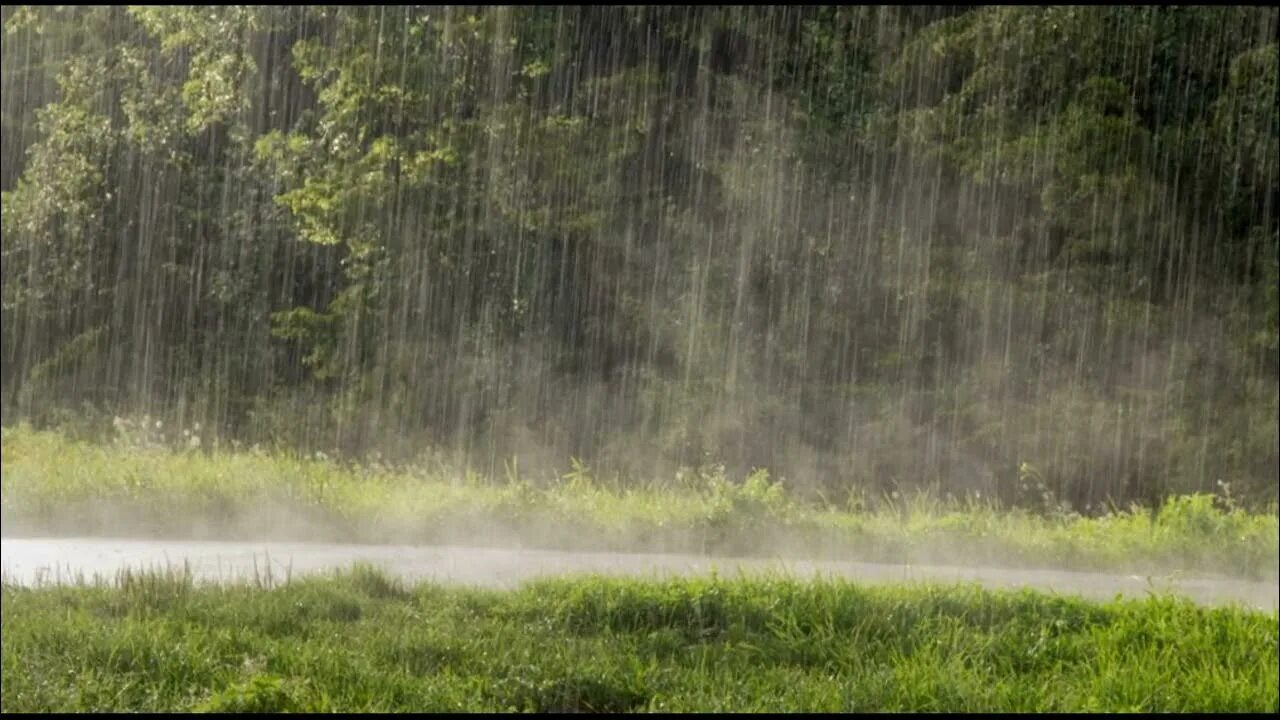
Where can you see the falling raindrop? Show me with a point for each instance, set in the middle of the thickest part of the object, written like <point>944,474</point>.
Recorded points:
<point>1023,252</point>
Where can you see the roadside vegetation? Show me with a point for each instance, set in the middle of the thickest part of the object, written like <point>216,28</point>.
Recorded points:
<point>360,641</point>
<point>52,484</point>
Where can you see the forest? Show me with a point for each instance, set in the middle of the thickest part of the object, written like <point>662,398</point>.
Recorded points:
<point>1021,252</point>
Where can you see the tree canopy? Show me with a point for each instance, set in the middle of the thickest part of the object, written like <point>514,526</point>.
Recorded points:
<point>866,247</point>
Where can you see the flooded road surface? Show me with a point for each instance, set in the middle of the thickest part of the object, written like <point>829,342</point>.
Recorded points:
<point>32,560</point>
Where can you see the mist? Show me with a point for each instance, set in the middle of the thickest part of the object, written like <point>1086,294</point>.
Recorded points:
<point>1014,252</point>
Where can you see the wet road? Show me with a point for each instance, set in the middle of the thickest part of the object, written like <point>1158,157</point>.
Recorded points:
<point>31,560</point>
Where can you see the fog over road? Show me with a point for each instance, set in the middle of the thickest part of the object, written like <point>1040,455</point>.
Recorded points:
<point>31,560</point>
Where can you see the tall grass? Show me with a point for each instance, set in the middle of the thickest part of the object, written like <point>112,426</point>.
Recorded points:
<point>53,484</point>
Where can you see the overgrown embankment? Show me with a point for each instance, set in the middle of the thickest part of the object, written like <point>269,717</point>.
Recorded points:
<point>55,485</point>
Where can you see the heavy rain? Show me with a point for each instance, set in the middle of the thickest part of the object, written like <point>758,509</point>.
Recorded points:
<point>870,288</point>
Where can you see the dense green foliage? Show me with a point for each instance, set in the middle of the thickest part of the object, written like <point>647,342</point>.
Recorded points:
<point>869,249</point>
<point>52,485</point>
<point>363,642</point>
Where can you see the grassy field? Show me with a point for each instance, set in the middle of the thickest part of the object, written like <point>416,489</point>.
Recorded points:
<point>53,484</point>
<point>359,641</point>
